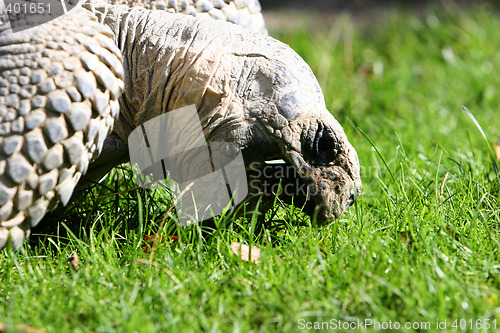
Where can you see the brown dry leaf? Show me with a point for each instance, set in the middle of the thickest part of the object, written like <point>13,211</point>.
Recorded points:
<point>452,233</point>
<point>74,261</point>
<point>406,237</point>
<point>243,251</point>
<point>20,329</point>
<point>150,242</point>
<point>441,190</point>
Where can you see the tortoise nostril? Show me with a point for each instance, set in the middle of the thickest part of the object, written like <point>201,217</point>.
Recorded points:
<point>322,146</point>
<point>351,201</point>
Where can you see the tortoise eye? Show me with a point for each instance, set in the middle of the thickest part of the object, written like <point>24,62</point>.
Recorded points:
<point>323,148</point>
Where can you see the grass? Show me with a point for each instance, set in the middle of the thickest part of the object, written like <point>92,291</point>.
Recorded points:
<point>421,245</point>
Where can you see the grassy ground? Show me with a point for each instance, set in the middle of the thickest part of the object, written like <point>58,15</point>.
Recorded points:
<point>421,245</point>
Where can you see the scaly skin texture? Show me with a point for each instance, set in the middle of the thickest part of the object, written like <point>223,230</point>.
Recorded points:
<point>248,89</point>
<point>59,89</point>
<point>246,13</point>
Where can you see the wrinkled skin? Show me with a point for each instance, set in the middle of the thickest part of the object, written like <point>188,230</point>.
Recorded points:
<point>248,89</point>
<point>314,143</point>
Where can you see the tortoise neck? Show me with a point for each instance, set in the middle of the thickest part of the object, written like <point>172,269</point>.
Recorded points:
<point>172,61</point>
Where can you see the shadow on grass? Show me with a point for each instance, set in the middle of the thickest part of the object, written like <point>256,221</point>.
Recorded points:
<point>115,204</point>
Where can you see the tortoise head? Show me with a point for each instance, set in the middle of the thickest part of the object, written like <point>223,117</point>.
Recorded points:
<point>291,122</point>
